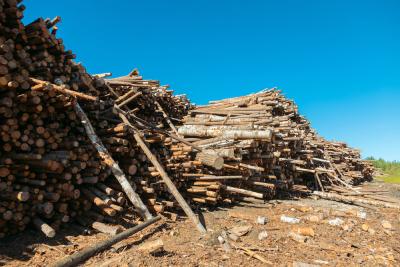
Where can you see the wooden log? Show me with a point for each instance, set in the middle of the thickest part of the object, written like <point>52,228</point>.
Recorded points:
<point>255,168</point>
<point>216,178</point>
<point>243,192</point>
<point>44,227</point>
<point>211,160</point>
<point>203,131</point>
<point>125,96</point>
<point>354,200</point>
<point>49,86</point>
<point>78,257</point>
<point>130,99</point>
<point>107,229</point>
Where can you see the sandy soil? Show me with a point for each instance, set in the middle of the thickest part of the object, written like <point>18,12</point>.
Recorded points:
<point>363,238</point>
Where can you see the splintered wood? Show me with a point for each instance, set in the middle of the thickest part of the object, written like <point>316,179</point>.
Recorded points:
<point>156,147</point>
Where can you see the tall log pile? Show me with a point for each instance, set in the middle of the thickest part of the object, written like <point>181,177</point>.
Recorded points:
<point>151,108</point>
<point>240,149</point>
<point>46,160</point>
<point>264,139</point>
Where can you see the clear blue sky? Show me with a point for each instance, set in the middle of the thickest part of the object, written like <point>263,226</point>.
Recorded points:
<point>339,60</point>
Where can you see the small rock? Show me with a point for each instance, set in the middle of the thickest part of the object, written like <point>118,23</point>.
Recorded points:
<point>261,220</point>
<point>210,238</point>
<point>315,218</point>
<point>297,237</point>
<point>152,247</point>
<point>356,213</point>
<point>321,262</point>
<point>365,227</point>
<point>371,231</point>
<point>346,227</point>
<point>233,237</point>
<point>303,264</point>
<point>240,214</point>
<point>288,219</point>
<point>225,257</point>
<point>387,225</point>
<point>224,242</point>
<point>361,214</point>
<point>305,231</point>
<point>341,213</point>
<point>336,222</point>
<point>304,209</point>
<point>173,233</point>
<point>262,235</point>
<point>240,230</point>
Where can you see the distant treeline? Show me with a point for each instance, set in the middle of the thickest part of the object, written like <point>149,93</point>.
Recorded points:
<point>386,166</point>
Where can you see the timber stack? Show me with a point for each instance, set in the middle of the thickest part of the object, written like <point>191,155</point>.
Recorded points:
<point>46,160</point>
<point>151,108</point>
<point>58,166</point>
<point>270,146</point>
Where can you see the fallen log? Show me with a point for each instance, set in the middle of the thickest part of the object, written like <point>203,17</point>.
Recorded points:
<point>354,200</point>
<point>76,258</point>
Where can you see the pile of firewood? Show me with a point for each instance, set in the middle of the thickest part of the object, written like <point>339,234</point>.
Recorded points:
<point>266,143</point>
<point>346,160</point>
<point>87,150</point>
<point>151,108</point>
<point>47,164</point>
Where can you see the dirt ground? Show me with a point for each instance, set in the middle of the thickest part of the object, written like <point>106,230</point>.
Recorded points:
<point>365,236</point>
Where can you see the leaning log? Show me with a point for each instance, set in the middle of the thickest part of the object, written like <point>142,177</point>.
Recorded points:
<point>108,160</point>
<point>168,182</point>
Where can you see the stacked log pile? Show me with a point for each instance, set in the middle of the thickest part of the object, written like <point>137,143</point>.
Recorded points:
<point>240,149</point>
<point>154,105</point>
<point>345,160</point>
<point>195,171</point>
<point>48,167</point>
<point>272,148</point>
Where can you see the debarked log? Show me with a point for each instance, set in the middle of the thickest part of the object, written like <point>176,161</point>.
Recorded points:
<point>226,132</point>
